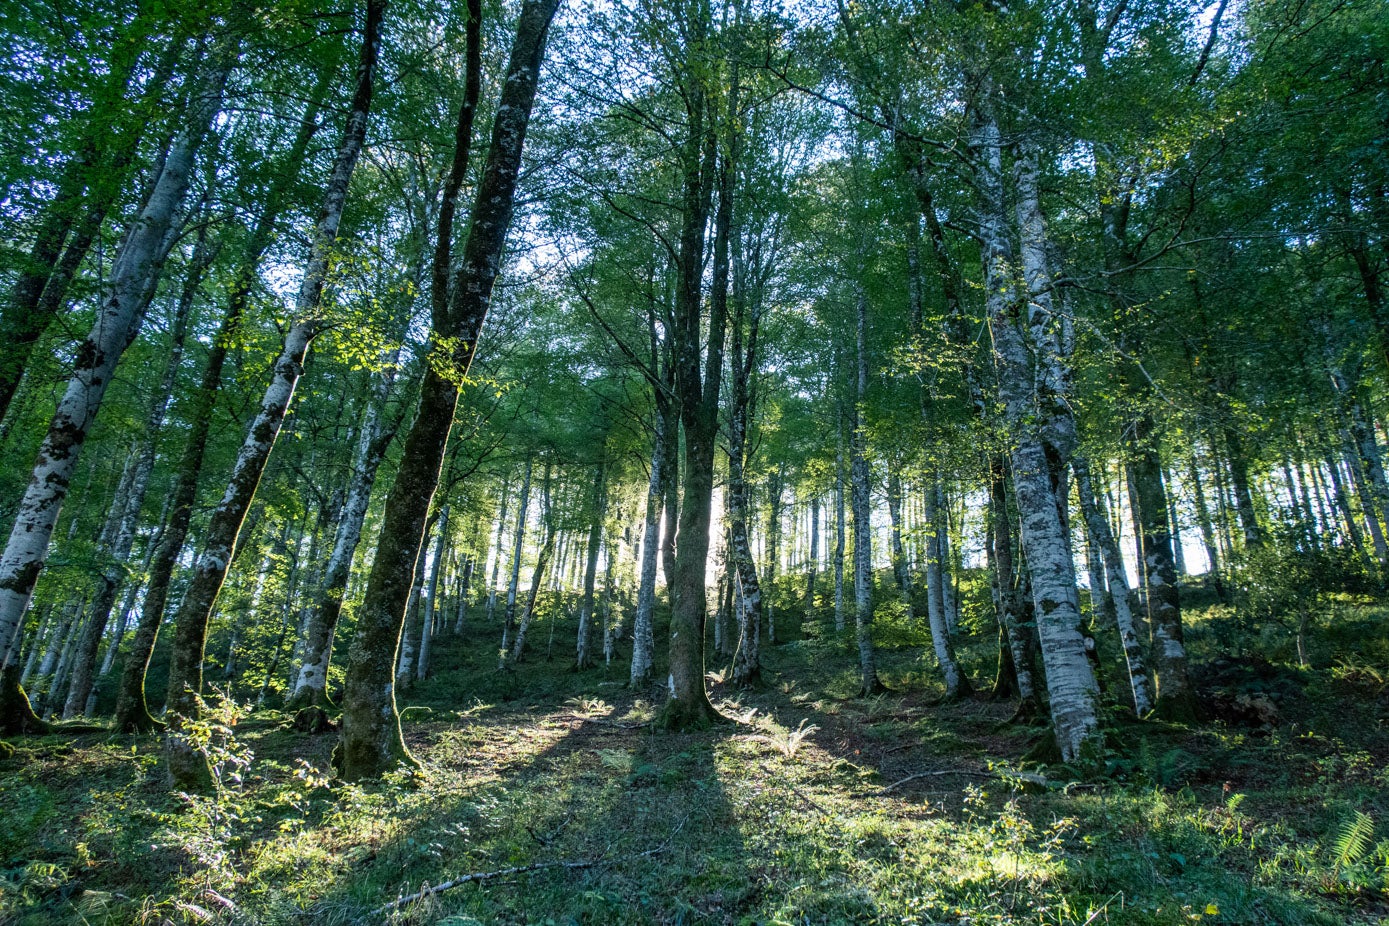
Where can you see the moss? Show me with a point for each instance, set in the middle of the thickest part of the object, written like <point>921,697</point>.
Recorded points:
<point>711,824</point>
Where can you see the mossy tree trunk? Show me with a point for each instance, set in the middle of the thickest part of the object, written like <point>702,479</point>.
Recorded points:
<point>371,742</point>
<point>186,767</point>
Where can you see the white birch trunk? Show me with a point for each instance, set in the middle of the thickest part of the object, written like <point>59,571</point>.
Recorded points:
<point>643,635</point>
<point>134,276</point>
<point>311,685</point>
<point>863,529</point>
<point>955,684</point>
<point>1121,597</point>
<point>497,554</point>
<point>839,528</point>
<point>582,657</point>
<point>518,547</point>
<point>1070,681</point>
<point>186,767</point>
<point>431,605</point>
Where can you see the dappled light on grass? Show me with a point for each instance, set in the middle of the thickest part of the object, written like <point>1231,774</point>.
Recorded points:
<point>808,807</point>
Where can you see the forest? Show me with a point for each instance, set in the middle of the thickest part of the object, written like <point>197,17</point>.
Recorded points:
<point>694,462</point>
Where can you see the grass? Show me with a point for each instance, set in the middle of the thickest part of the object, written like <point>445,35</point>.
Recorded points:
<point>798,814</point>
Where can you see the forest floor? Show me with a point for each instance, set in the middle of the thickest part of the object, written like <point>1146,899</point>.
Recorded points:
<point>811,807</point>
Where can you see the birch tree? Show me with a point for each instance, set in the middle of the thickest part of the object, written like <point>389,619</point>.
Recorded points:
<point>127,296</point>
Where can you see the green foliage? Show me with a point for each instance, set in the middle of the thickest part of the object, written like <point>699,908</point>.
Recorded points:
<point>1353,839</point>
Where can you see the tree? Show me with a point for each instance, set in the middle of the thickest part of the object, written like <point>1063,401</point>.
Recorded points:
<point>371,740</point>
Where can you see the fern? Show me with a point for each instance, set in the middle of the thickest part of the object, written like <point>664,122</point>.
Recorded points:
<point>1353,840</point>
<point>786,742</point>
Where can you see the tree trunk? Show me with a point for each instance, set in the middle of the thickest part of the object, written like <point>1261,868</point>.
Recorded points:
<point>956,683</point>
<point>44,628</point>
<point>1019,635</point>
<point>133,279</point>
<point>1174,698</point>
<point>373,439</point>
<point>371,742</point>
<point>518,548</point>
<point>187,768</point>
<point>583,659</point>
<point>643,636</point>
<point>775,487</point>
<point>291,586</point>
<point>606,603</point>
<point>497,553</point>
<point>900,572</point>
<point>1342,502</point>
<point>813,559</point>
<point>1120,596</point>
<point>950,599</point>
<point>547,549</point>
<point>698,373</point>
<point>132,712</point>
<point>747,590</point>
<point>1203,522</point>
<point>860,489</point>
<point>123,539</point>
<point>410,630</point>
<point>1070,681</point>
<point>1239,480</point>
<point>431,605</point>
<point>839,524</point>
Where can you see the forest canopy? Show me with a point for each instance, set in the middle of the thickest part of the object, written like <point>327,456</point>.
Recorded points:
<point>978,394</point>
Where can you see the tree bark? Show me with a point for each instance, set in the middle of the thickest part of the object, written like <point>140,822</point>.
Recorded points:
<point>186,767</point>
<point>900,573</point>
<point>1239,480</point>
<point>956,683</point>
<point>123,540</point>
<point>747,590</point>
<point>1031,419</point>
<point>410,630</point>
<point>132,712</point>
<point>859,488</point>
<point>813,558</point>
<point>699,359</point>
<point>133,279</point>
<point>1121,597</point>
<point>583,658</point>
<point>517,550</point>
<point>497,553</point>
<point>371,741</point>
<point>431,603</point>
<point>839,522</point>
<point>1019,635</point>
<point>1204,524</point>
<point>547,549</point>
<point>1174,697</point>
<point>373,440</point>
<point>643,636</point>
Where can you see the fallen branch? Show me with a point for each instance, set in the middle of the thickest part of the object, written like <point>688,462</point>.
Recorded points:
<point>604,722</point>
<point>1029,777</point>
<point>795,790</point>
<point>478,877</point>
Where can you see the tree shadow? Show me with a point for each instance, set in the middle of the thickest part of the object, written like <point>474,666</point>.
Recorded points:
<point>640,824</point>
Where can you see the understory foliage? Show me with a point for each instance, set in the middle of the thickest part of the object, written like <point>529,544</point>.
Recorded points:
<point>884,810</point>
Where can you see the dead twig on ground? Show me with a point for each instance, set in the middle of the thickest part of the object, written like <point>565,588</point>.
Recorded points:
<point>1029,777</point>
<point>478,877</point>
<point>796,791</point>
